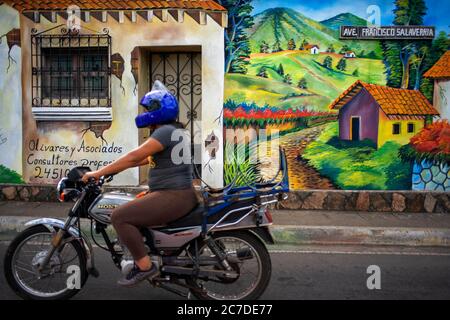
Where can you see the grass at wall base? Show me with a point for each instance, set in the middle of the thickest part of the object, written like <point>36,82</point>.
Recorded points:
<point>9,176</point>
<point>358,165</point>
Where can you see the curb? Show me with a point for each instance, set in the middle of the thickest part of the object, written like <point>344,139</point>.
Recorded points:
<point>388,236</point>
<point>301,235</point>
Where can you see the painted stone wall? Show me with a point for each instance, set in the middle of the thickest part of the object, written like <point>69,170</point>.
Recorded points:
<point>431,176</point>
<point>10,96</point>
<point>52,147</point>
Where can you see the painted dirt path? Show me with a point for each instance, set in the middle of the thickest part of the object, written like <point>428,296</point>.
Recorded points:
<point>301,175</point>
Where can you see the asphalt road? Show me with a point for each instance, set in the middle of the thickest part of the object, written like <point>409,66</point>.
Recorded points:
<point>308,273</point>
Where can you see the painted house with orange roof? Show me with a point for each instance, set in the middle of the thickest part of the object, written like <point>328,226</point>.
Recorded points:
<point>72,73</point>
<point>312,48</point>
<point>381,113</point>
<point>440,73</point>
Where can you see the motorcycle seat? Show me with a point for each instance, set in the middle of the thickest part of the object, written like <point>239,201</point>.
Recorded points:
<point>193,218</point>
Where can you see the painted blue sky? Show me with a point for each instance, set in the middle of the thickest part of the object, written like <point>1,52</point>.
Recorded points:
<point>437,13</point>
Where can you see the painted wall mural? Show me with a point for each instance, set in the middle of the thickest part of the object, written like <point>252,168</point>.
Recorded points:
<point>63,133</point>
<point>352,114</point>
<point>10,97</point>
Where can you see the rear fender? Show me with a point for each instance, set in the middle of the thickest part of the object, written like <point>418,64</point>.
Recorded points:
<point>263,233</point>
<point>52,224</point>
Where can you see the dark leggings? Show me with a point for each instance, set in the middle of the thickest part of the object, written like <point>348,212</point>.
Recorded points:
<point>156,208</point>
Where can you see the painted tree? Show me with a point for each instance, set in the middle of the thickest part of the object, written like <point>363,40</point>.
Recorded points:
<point>372,55</point>
<point>439,46</point>
<point>342,64</point>
<point>355,73</point>
<point>237,50</point>
<point>263,72</point>
<point>287,79</point>
<point>406,12</point>
<point>328,62</point>
<point>304,44</point>
<point>331,49</point>
<point>291,45</point>
<point>344,49</point>
<point>409,12</point>
<point>277,47</point>
<point>302,83</point>
<point>417,64</point>
<point>280,70</point>
<point>264,47</point>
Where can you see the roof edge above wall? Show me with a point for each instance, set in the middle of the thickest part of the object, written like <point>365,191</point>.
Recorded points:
<point>218,14</point>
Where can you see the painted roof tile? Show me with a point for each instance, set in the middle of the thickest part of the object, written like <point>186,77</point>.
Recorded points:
<point>392,101</point>
<point>27,5</point>
<point>441,69</point>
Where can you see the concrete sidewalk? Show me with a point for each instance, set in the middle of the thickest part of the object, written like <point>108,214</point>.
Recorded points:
<point>291,227</point>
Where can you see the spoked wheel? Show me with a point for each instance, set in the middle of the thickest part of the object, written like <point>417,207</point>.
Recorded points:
<point>247,256</point>
<point>27,252</point>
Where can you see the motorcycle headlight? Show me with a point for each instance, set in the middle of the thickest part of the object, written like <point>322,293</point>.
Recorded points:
<point>66,190</point>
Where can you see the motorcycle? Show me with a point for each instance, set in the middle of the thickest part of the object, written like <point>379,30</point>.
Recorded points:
<point>215,252</point>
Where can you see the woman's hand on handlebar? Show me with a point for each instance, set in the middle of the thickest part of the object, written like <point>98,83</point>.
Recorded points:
<point>91,175</point>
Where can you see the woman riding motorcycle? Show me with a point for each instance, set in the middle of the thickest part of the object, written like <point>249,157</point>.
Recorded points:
<point>171,194</point>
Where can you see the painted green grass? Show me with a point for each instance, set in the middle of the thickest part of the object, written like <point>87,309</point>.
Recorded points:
<point>9,176</point>
<point>358,165</point>
<point>261,91</point>
<point>324,85</point>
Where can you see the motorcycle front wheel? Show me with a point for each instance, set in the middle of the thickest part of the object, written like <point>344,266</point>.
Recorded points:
<point>251,261</point>
<point>63,276</point>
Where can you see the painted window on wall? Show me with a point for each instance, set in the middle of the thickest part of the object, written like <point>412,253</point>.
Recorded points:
<point>396,128</point>
<point>71,71</point>
<point>74,73</point>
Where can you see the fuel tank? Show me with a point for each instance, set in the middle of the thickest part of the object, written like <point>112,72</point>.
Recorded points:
<point>103,206</point>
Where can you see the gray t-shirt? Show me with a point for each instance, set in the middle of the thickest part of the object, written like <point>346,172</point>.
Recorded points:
<point>167,172</point>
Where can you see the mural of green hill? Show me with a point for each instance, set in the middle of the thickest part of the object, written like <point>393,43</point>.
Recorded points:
<point>343,19</point>
<point>283,24</point>
<point>323,85</point>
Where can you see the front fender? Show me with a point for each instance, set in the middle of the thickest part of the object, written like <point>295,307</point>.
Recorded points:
<point>51,224</point>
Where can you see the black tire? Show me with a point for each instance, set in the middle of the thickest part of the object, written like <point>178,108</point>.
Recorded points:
<point>8,270</point>
<point>260,248</point>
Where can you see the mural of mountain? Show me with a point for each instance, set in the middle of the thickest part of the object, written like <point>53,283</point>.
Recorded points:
<point>343,19</point>
<point>283,24</point>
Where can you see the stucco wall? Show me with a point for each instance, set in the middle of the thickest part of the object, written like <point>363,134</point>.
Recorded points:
<point>10,93</point>
<point>123,133</point>
<point>364,106</point>
<point>441,98</point>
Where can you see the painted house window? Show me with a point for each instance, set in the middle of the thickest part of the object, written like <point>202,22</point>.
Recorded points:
<point>71,76</point>
<point>74,74</point>
<point>411,128</point>
<point>396,128</point>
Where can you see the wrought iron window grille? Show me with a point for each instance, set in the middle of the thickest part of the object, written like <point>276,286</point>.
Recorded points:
<point>71,69</point>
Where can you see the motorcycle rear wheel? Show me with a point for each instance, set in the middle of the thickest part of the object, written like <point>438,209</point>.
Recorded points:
<point>256,246</point>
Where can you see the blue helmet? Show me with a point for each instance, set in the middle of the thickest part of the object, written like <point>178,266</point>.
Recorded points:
<point>161,106</point>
